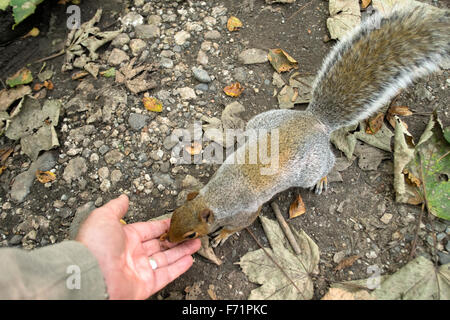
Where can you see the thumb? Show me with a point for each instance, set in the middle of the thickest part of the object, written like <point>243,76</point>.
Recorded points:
<point>116,208</point>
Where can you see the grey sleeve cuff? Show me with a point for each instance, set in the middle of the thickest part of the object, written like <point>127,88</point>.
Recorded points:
<point>67,270</point>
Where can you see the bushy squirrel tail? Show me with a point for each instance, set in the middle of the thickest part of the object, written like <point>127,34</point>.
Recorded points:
<point>380,57</point>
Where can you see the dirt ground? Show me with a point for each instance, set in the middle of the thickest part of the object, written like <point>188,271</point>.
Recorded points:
<point>345,219</point>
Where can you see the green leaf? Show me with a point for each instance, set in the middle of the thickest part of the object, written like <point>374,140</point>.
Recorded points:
<point>111,72</point>
<point>23,8</point>
<point>4,4</point>
<point>23,76</point>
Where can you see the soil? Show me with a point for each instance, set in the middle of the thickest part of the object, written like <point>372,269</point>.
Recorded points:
<point>345,218</point>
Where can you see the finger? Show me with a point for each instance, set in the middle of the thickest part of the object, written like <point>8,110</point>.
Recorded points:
<point>165,275</point>
<point>150,230</point>
<point>116,208</point>
<point>164,258</point>
<point>151,246</point>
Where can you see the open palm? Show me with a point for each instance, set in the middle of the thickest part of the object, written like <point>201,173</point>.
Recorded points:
<point>123,251</point>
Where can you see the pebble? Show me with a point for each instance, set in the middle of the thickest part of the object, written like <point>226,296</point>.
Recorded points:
<point>444,258</point>
<point>166,63</point>
<point>371,255</point>
<point>15,240</point>
<point>186,93</point>
<point>170,141</point>
<point>137,46</point>
<point>75,168</point>
<point>181,37</point>
<point>201,75</point>
<point>154,19</point>
<point>201,87</point>
<point>113,156</point>
<point>386,218</point>
<point>132,19</point>
<point>202,58</point>
<point>120,40</point>
<point>94,158</point>
<point>105,185</point>
<point>103,173</point>
<point>117,56</point>
<point>103,149</point>
<point>213,35</point>
<point>147,31</point>
<point>137,121</point>
<point>116,175</point>
<point>252,56</point>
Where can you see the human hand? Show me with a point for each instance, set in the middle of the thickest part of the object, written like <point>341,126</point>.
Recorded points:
<point>123,251</point>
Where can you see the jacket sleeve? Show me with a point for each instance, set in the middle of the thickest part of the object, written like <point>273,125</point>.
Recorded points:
<point>66,270</point>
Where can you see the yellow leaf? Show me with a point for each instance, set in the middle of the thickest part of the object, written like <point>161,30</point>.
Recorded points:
<point>234,90</point>
<point>297,208</point>
<point>45,176</point>
<point>152,104</point>
<point>281,61</point>
<point>234,24</point>
<point>32,33</point>
<point>365,3</point>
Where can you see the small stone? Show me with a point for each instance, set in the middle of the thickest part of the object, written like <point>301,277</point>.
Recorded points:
<point>338,256</point>
<point>105,185</point>
<point>154,19</point>
<point>139,3</point>
<point>166,63</point>
<point>132,19</point>
<point>212,35</point>
<point>58,204</point>
<point>202,58</point>
<point>98,202</point>
<point>137,121</point>
<point>6,206</point>
<point>170,141</point>
<point>252,56</point>
<point>186,93</point>
<point>75,168</point>
<point>444,258</point>
<point>137,46</point>
<point>190,182</point>
<point>120,40</point>
<point>15,240</point>
<point>201,75</point>
<point>113,156</point>
<point>386,218</point>
<point>206,45</point>
<point>201,87</point>
<point>371,255</point>
<point>94,158</point>
<point>103,173</point>
<point>117,56</point>
<point>147,31</point>
<point>116,175</point>
<point>181,37</point>
<point>103,149</point>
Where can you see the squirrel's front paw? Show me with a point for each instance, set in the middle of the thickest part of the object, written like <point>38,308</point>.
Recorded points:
<point>322,184</point>
<point>220,237</point>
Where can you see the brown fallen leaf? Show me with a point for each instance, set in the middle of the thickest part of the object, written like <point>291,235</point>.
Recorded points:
<point>400,111</point>
<point>211,292</point>
<point>8,96</point>
<point>5,153</point>
<point>206,251</point>
<point>365,3</point>
<point>234,24</point>
<point>281,61</point>
<point>194,148</point>
<point>79,75</point>
<point>411,179</point>
<point>297,208</point>
<point>374,123</point>
<point>391,119</point>
<point>152,104</point>
<point>347,262</point>
<point>234,90</point>
<point>45,176</point>
<point>2,168</point>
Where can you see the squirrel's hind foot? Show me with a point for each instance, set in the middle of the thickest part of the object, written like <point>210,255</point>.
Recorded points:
<point>322,184</point>
<point>221,236</point>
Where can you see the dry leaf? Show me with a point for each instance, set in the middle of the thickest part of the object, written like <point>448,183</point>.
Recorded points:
<point>365,3</point>
<point>234,90</point>
<point>7,97</point>
<point>5,153</point>
<point>400,111</point>
<point>194,148</point>
<point>45,176</point>
<point>79,75</point>
<point>297,208</point>
<point>2,168</point>
<point>48,84</point>
<point>344,16</point>
<point>152,104</point>
<point>374,123</point>
<point>281,61</point>
<point>234,24</point>
<point>211,292</point>
<point>206,251</point>
<point>346,262</point>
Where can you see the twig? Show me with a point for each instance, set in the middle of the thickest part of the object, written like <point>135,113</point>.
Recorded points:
<point>59,53</point>
<point>298,11</point>
<point>273,260</point>
<point>287,231</point>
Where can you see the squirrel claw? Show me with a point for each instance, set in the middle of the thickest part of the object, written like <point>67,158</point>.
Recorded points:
<point>322,184</point>
<point>220,237</point>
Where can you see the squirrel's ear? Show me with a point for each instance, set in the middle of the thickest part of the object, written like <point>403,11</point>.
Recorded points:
<point>206,215</point>
<point>192,195</point>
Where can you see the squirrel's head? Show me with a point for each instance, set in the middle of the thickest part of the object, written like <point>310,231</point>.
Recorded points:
<point>191,220</point>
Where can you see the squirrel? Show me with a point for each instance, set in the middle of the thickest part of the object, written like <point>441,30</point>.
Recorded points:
<point>362,73</point>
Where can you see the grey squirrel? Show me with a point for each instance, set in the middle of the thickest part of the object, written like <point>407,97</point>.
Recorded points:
<point>360,75</point>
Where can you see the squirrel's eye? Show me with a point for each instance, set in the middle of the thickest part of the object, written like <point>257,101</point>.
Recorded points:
<point>192,235</point>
